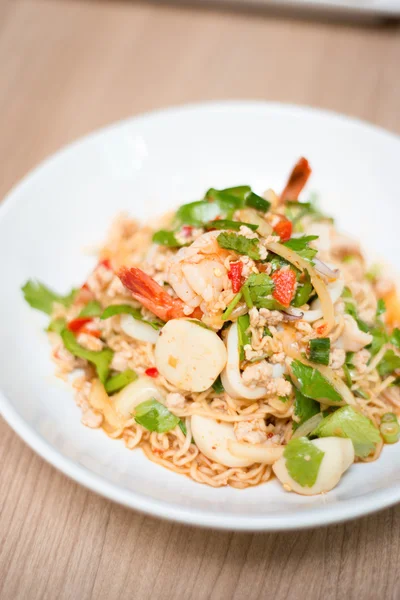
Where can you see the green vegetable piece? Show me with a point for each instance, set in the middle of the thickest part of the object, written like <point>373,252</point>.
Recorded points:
<point>101,360</point>
<point>389,363</point>
<point>379,338</point>
<point>303,291</point>
<point>227,224</point>
<point>243,324</point>
<point>319,349</point>
<point>42,298</point>
<point>381,307</point>
<point>92,309</point>
<point>395,337</point>
<point>304,408</point>
<point>300,245</point>
<point>119,381</point>
<point>347,375</point>
<point>217,386</point>
<point>239,191</point>
<point>390,428</point>
<point>313,384</point>
<point>57,325</point>
<point>346,293</point>
<point>247,296</point>
<point>231,306</point>
<point>259,287</point>
<point>361,394</point>
<point>166,238</point>
<point>182,426</point>
<point>240,244</point>
<point>351,310</point>
<point>348,423</point>
<point>223,204</point>
<point>254,201</point>
<point>373,273</point>
<point>303,460</point>
<point>154,416</point>
<point>127,309</point>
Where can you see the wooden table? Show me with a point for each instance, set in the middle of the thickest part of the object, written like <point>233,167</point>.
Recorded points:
<point>68,67</point>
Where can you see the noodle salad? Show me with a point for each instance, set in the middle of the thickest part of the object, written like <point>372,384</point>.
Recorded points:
<point>239,337</point>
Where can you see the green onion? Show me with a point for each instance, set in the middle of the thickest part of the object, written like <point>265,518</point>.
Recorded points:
<point>254,201</point>
<point>347,375</point>
<point>243,324</point>
<point>361,394</point>
<point>228,224</point>
<point>119,381</point>
<point>217,386</point>
<point>231,306</point>
<point>247,296</point>
<point>390,428</point>
<point>319,349</point>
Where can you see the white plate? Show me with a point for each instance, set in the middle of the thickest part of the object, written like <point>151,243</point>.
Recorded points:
<point>145,166</point>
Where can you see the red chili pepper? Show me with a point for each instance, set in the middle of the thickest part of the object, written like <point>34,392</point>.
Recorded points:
<point>235,275</point>
<point>76,324</point>
<point>284,229</point>
<point>152,372</point>
<point>94,332</point>
<point>321,329</point>
<point>105,263</point>
<point>285,285</point>
<point>187,230</point>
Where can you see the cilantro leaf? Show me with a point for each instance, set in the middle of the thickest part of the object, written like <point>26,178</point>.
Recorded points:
<point>313,384</point>
<point>259,286</point>
<point>381,307</point>
<point>166,238</point>
<point>220,204</point>
<point>303,460</point>
<point>57,325</point>
<point>348,423</point>
<point>304,408</point>
<point>227,224</point>
<point>42,298</point>
<point>395,337</point>
<point>92,309</point>
<point>389,363</point>
<point>379,337</point>
<point>154,416</point>
<point>127,309</point>
<point>240,244</point>
<point>101,360</point>
<point>300,245</point>
<point>119,381</point>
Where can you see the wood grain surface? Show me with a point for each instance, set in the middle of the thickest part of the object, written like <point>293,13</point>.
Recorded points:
<point>66,68</point>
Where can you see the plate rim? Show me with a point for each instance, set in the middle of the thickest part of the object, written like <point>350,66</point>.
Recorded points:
<point>319,516</point>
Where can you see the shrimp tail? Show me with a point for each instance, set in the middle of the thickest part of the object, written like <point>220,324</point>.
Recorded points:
<point>297,180</point>
<point>151,295</point>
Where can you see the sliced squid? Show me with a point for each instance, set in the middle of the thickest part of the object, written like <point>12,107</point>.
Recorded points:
<point>189,355</point>
<point>231,376</point>
<point>135,393</point>
<point>339,455</point>
<point>212,440</point>
<point>138,330</point>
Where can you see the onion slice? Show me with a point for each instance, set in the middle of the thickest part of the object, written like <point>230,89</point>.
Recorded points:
<point>325,270</point>
<point>258,453</point>
<point>250,216</point>
<point>308,426</point>
<point>322,291</point>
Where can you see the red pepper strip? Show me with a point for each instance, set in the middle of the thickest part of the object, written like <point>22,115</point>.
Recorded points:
<point>235,275</point>
<point>285,285</point>
<point>105,263</point>
<point>152,372</point>
<point>187,230</point>
<point>76,324</point>
<point>284,229</point>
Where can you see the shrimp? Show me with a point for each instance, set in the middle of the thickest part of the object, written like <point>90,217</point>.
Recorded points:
<point>197,273</point>
<point>297,180</point>
<point>153,297</point>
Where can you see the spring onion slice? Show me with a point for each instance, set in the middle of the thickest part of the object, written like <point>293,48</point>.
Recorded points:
<point>319,349</point>
<point>390,428</point>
